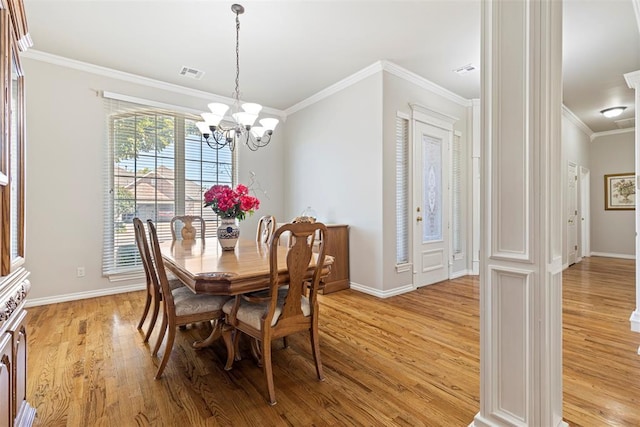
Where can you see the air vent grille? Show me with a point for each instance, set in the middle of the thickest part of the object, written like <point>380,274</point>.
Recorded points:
<point>626,123</point>
<point>465,69</point>
<point>191,72</point>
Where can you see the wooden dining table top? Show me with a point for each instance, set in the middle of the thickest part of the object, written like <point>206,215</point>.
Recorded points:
<point>205,268</point>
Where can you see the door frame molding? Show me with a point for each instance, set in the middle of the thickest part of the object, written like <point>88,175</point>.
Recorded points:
<point>584,180</point>
<point>428,116</point>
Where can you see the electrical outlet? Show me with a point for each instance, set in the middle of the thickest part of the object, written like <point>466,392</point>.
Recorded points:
<point>80,272</point>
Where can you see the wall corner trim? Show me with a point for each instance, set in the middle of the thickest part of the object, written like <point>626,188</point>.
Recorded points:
<point>611,132</point>
<point>576,121</point>
<point>336,87</point>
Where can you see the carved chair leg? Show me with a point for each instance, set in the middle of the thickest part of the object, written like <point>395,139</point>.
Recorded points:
<point>229,336</point>
<point>256,351</point>
<point>167,351</point>
<point>268,371</point>
<point>154,318</point>
<point>147,304</point>
<point>163,330</point>
<point>315,347</point>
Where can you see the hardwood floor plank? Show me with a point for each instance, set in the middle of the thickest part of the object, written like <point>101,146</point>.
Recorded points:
<point>409,360</point>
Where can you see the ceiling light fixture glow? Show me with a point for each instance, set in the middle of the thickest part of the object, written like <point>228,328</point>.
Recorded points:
<point>613,111</point>
<point>217,135</point>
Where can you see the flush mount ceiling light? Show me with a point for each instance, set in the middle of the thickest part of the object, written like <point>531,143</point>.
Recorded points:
<point>613,111</point>
<point>241,129</point>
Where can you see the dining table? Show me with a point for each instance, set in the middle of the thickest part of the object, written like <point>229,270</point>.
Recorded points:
<point>204,267</point>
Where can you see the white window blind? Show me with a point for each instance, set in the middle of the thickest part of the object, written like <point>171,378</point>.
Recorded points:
<point>402,190</point>
<point>456,195</point>
<point>158,166</point>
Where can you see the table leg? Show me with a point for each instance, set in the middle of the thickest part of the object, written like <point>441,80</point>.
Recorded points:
<point>216,332</point>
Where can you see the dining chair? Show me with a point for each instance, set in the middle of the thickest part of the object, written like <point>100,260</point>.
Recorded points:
<point>181,306</point>
<point>286,309</point>
<point>154,294</point>
<point>266,227</point>
<point>187,229</point>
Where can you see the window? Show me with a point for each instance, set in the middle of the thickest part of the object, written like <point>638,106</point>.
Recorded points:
<point>402,190</point>
<point>159,166</point>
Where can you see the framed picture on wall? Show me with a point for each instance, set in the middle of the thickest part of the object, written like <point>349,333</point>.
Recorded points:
<point>620,191</point>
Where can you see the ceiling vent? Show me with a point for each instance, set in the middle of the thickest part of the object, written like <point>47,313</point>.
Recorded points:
<point>464,69</point>
<point>191,72</point>
<point>626,123</point>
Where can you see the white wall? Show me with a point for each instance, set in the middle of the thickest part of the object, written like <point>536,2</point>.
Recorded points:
<point>612,232</point>
<point>575,149</point>
<point>351,178</point>
<point>65,169</point>
<point>399,93</point>
<point>333,163</point>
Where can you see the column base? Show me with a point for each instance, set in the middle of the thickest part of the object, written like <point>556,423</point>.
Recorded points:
<point>635,321</point>
<point>480,421</point>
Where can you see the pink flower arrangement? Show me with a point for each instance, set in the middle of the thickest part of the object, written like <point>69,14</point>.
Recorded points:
<point>230,203</point>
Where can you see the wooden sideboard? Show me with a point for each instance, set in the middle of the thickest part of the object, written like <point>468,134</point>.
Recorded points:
<point>337,247</point>
<point>14,408</point>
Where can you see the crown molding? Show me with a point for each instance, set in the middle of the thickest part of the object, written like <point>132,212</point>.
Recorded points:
<point>336,87</point>
<point>417,80</point>
<point>576,121</point>
<point>636,9</point>
<point>633,79</point>
<point>611,132</point>
<point>134,78</point>
<point>376,67</point>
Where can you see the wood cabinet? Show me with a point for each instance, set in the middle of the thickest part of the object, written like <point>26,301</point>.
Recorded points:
<point>338,247</point>
<point>6,366</point>
<point>14,283</point>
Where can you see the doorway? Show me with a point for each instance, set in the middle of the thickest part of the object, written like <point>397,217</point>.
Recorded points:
<point>585,212</point>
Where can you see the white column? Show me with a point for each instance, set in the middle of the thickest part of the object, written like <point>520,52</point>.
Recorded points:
<point>633,80</point>
<point>521,250</point>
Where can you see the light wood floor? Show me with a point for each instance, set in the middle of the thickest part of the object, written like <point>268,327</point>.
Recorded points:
<point>410,360</point>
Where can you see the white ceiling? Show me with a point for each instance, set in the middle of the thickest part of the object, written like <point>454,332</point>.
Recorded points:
<point>290,50</point>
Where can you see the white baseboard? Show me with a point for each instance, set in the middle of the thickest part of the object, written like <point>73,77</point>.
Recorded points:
<point>610,255</point>
<point>382,294</point>
<point>460,273</point>
<point>83,295</point>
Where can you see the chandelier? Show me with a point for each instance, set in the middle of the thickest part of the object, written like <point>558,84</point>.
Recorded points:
<point>242,129</point>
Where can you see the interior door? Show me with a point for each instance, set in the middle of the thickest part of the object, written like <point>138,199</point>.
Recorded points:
<point>572,213</point>
<point>431,204</point>
<point>585,212</point>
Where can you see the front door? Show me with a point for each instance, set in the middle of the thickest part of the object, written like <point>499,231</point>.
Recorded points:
<point>431,206</point>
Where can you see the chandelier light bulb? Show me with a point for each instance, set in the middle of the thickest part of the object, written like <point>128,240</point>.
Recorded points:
<point>203,127</point>
<point>218,108</point>
<point>269,123</point>
<point>211,119</point>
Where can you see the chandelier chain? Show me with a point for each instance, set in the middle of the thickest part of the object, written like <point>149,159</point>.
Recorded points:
<point>237,94</point>
<point>216,134</point>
